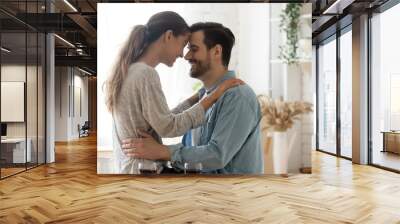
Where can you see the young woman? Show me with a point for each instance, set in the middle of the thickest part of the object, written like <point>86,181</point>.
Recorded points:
<point>133,91</point>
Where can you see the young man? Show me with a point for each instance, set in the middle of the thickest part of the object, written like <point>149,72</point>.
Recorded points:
<point>229,141</point>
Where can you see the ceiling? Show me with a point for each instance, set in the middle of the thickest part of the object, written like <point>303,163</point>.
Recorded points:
<point>328,16</point>
<point>76,22</point>
<point>76,25</point>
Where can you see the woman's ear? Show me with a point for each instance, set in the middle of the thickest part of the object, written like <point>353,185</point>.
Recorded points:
<point>168,35</point>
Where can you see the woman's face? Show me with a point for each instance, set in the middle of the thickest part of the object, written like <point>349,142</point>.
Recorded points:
<point>174,48</point>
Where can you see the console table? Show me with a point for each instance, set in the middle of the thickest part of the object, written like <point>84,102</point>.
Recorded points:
<point>391,141</point>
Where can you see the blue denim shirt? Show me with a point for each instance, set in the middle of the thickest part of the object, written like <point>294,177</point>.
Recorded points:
<point>230,138</point>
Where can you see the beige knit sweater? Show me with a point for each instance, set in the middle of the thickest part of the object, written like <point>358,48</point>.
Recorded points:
<point>141,105</point>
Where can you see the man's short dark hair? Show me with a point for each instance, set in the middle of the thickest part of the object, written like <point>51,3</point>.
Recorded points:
<point>216,33</point>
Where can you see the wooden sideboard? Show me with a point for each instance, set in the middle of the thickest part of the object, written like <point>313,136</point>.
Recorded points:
<point>391,141</point>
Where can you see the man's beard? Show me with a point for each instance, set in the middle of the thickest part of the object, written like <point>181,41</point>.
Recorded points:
<point>199,69</point>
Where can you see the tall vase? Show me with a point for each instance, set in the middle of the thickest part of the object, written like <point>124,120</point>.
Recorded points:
<point>282,147</point>
<point>266,139</point>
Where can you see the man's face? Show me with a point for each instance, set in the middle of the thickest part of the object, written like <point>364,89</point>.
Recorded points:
<point>198,55</point>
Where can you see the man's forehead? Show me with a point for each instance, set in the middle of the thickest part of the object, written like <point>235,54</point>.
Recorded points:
<point>196,38</point>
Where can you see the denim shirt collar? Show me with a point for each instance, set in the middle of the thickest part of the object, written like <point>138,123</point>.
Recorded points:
<point>228,75</point>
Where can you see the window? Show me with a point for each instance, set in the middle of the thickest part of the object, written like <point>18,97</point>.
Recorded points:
<point>22,76</point>
<point>346,94</point>
<point>385,89</point>
<point>327,97</point>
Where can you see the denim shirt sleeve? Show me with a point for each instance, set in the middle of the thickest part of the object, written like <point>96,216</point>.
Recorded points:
<point>236,120</point>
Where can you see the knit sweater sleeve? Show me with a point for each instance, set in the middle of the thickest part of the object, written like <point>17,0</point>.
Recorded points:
<point>157,113</point>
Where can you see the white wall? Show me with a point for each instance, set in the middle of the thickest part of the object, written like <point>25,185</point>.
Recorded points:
<point>61,103</point>
<point>33,126</point>
<point>17,73</point>
<point>254,43</point>
<point>14,73</point>
<point>81,84</point>
<point>294,83</point>
<point>68,80</point>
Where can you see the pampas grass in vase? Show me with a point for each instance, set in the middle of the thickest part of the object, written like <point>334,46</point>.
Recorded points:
<point>279,116</point>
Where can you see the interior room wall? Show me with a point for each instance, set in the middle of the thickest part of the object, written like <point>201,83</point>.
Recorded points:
<point>294,83</point>
<point>33,127</point>
<point>62,81</point>
<point>79,117</point>
<point>92,100</point>
<point>15,72</point>
<point>254,70</point>
<point>68,81</point>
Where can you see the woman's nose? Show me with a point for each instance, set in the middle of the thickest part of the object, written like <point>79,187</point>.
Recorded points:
<point>187,56</point>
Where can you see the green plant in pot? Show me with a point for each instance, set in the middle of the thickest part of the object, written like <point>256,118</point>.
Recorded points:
<point>289,24</point>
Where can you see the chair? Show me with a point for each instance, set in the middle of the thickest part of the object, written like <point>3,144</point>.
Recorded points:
<point>84,130</point>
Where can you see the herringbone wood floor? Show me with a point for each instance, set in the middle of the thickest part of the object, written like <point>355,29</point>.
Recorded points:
<point>70,191</point>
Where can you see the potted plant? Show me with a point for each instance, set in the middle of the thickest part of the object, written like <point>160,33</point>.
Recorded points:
<point>289,24</point>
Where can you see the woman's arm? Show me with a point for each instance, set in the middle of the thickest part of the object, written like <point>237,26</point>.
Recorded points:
<point>167,124</point>
<point>156,112</point>
<point>208,101</point>
<point>187,103</point>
